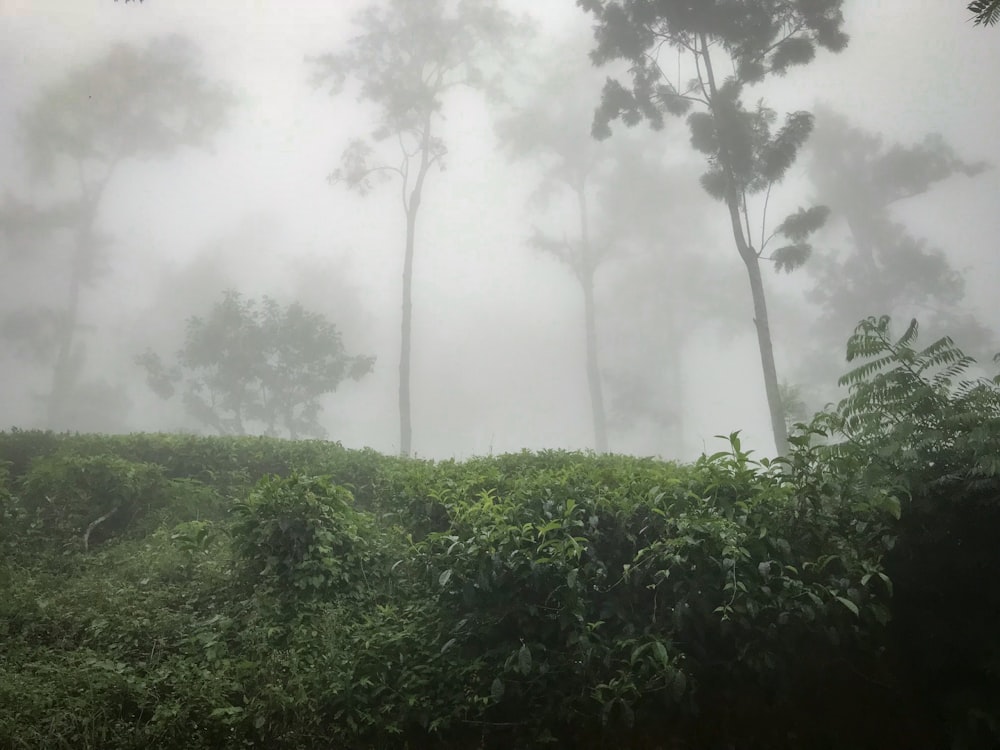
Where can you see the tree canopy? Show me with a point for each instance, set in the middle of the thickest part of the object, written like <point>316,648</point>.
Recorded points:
<point>745,153</point>
<point>250,361</point>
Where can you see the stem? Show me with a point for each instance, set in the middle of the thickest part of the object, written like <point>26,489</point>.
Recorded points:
<point>412,207</point>
<point>587,268</point>
<point>752,263</point>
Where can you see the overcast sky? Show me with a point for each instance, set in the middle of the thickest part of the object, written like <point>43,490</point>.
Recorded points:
<point>498,343</point>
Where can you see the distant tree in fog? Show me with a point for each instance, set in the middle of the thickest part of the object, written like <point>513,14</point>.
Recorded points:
<point>132,103</point>
<point>408,56</point>
<point>623,197</point>
<point>886,270</point>
<point>550,130</point>
<point>250,363</point>
<point>745,156</point>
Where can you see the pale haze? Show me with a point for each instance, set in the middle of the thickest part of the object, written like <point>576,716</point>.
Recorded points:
<point>498,336</point>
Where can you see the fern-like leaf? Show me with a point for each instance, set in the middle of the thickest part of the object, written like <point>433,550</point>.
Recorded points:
<point>985,12</point>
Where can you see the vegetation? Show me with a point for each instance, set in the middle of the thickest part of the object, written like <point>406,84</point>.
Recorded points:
<point>406,59</point>
<point>985,12</point>
<point>253,592</point>
<point>744,156</point>
<point>884,269</point>
<point>250,361</point>
<point>131,104</point>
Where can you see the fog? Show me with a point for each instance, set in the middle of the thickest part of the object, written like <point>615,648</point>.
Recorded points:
<point>498,340</point>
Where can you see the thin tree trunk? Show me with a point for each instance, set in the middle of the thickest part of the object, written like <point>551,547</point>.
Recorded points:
<point>587,263</point>
<point>64,369</point>
<point>778,425</point>
<point>411,206</point>
<point>752,263</point>
<point>674,353</point>
<point>593,370</point>
<point>405,425</point>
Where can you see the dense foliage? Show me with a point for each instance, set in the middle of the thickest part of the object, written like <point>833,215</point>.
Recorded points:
<point>251,592</point>
<point>252,361</point>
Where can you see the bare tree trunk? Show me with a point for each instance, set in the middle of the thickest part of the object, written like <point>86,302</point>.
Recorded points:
<point>674,354</point>
<point>752,263</point>
<point>593,370</point>
<point>778,425</point>
<point>405,425</point>
<point>65,369</point>
<point>411,205</point>
<point>586,271</point>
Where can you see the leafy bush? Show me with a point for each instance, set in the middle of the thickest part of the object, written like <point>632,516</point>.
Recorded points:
<point>833,598</point>
<point>918,421</point>
<point>299,539</point>
<point>80,502</point>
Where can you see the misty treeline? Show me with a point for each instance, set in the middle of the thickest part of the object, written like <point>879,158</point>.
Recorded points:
<point>182,591</point>
<point>654,261</point>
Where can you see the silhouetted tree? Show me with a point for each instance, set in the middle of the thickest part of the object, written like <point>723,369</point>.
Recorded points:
<point>256,362</point>
<point>408,56</point>
<point>886,271</point>
<point>132,103</point>
<point>745,157</point>
<point>549,129</point>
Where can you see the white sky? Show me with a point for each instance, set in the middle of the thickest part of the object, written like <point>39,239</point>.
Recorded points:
<point>497,330</point>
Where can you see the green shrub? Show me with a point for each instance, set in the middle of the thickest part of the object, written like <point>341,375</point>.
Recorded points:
<point>78,502</point>
<point>918,421</point>
<point>300,539</point>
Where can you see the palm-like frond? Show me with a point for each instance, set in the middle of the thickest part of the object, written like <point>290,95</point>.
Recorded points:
<point>985,12</point>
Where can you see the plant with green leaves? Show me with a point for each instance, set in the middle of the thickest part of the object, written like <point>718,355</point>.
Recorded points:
<point>920,425</point>
<point>80,502</point>
<point>300,539</point>
<point>746,156</point>
<point>916,411</point>
<point>251,361</point>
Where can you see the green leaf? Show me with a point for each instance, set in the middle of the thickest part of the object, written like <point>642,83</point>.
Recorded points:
<point>849,604</point>
<point>444,578</point>
<point>661,653</point>
<point>496,690</point>
<point>524,659</point>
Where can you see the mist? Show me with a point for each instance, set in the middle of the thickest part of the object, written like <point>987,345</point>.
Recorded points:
<point>225,187</point>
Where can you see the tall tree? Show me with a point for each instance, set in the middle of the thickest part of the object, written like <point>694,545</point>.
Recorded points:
<point>624,197</point>
<point>885,270</point>
<point>546,129</point>
<point>745,156</point>
<point>132,103</point>
<point>406,59</point>
<point>250,361</point>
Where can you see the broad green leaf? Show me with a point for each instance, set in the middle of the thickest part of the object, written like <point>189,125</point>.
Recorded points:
<point>850,605</point>
<point>524,659</point>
